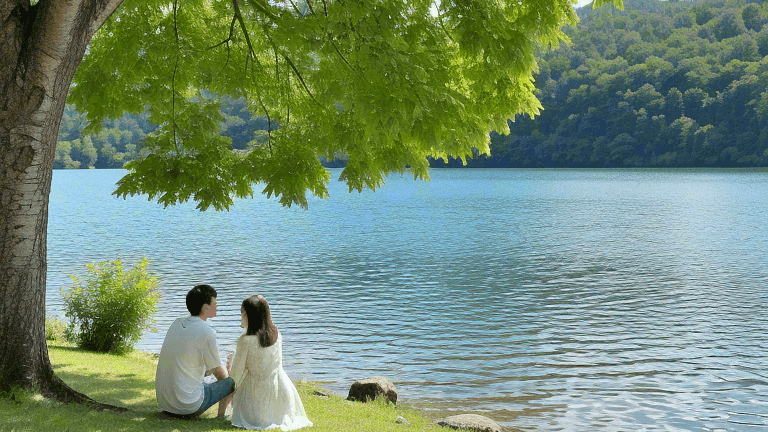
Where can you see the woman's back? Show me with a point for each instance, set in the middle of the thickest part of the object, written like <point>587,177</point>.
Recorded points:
<point>265,397</point>
<point>263,361</point>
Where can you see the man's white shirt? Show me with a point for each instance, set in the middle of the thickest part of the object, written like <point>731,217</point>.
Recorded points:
<point>188,351</point>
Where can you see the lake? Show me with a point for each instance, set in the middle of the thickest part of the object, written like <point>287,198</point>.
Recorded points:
<point>548,300</point>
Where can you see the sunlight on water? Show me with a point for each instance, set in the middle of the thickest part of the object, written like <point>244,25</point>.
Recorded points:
<point>545,299</point>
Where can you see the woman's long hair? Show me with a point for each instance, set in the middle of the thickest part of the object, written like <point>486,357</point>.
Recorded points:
<point>260,320</point>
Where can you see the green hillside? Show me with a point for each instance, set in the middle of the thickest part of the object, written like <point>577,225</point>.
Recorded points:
<point>660,84</point>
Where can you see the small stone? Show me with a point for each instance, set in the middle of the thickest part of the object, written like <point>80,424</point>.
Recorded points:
<point>401,420</point>
<point>471,422</point>
<point>318,393</point>
<point>370,388</point>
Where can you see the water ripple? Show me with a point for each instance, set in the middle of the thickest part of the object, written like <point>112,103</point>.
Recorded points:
<point>550,300</point>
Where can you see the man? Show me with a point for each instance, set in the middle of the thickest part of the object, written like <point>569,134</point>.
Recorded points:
<point>189,353</point>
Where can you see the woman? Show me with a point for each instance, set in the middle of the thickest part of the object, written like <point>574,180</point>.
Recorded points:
<point>265,398</point>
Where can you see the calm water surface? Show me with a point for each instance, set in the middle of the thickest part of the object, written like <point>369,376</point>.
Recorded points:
<point>549,300</point>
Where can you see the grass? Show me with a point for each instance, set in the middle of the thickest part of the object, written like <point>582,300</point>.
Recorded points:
<point>128,381</point>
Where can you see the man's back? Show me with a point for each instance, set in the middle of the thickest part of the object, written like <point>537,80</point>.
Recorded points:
<point>188,351</point>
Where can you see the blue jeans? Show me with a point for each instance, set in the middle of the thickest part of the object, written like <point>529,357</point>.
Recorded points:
<point>215,392</point>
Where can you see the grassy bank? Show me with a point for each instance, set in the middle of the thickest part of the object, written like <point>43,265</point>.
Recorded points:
<point>128,381</point>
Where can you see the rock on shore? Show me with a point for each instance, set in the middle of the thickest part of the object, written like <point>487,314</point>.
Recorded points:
<point>471,422</point>
<point>370,388</point>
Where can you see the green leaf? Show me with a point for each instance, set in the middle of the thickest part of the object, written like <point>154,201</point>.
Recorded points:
<point>387,84</point>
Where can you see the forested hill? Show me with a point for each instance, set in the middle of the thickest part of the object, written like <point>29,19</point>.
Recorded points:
<point>120,140</point>
<point>660,84</point>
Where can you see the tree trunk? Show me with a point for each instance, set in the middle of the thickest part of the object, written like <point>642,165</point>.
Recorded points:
<point>40,48</point>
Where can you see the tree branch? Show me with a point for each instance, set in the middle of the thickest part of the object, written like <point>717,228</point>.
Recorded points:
<point>239,17</point>
<point>173,80</point>
<point>333,43</point>
<point>264,10</point>
<point>231,33</point>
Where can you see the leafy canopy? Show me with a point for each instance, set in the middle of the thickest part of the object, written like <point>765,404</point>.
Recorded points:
<point>386,83</point>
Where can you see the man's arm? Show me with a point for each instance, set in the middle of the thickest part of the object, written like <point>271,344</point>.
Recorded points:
<point>219,372</point>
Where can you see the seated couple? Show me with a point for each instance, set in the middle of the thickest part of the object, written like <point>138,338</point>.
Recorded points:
<point>264,397</point>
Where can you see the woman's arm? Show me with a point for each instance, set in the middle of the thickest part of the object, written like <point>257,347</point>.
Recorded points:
<point>238,371</point>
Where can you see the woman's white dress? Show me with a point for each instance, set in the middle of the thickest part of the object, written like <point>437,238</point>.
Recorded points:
<point>265,398</point>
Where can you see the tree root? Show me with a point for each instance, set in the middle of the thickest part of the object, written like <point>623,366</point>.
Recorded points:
<point>56,389</point>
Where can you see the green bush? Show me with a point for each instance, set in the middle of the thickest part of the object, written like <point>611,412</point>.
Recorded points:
<point>112,307</point>
<point>55,329</point>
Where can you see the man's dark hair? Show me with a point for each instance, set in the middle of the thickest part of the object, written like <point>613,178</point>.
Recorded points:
<point>199,296</point>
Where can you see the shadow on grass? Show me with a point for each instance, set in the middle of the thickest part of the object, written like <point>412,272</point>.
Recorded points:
<point>39,415</point>
<point>121,380</point>
<point>122,390</point>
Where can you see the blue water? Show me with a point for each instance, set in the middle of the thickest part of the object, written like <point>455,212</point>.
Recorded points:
<point>548,300</point>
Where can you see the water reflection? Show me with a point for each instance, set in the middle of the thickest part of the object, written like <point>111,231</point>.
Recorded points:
<point>548,300</point>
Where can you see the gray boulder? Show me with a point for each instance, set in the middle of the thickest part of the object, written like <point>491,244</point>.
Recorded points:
<point>471,422</point>
<point>370,388</point>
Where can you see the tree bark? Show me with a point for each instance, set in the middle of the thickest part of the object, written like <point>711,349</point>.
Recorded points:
<point>40,48</point>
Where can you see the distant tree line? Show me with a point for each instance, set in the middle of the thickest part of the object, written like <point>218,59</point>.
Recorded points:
<point>119,141</point>
<point>660,84</point>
